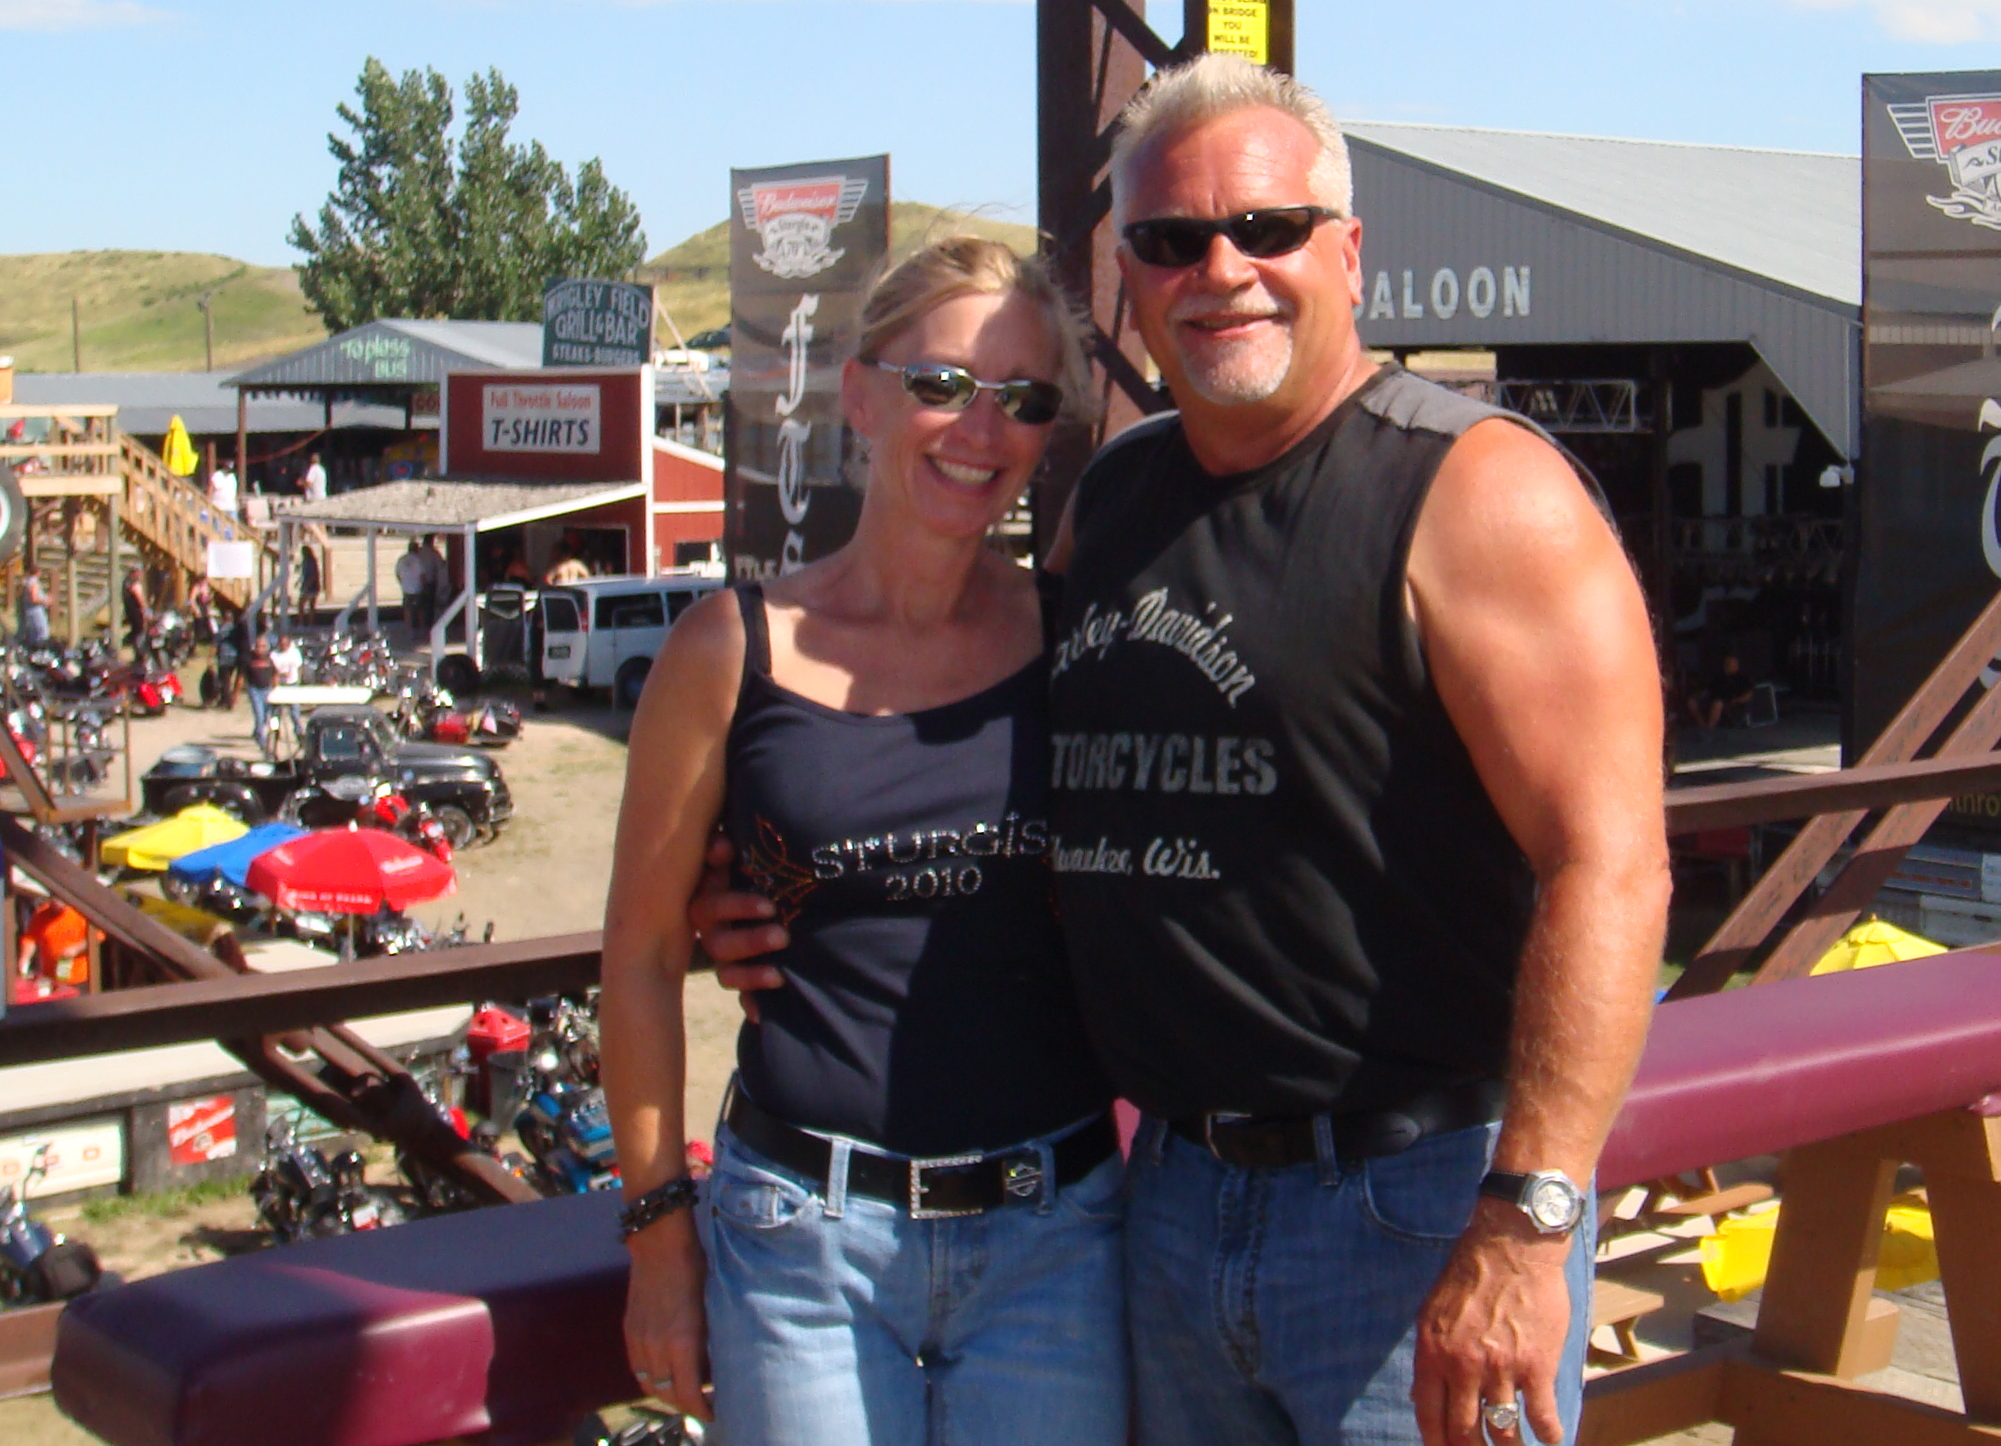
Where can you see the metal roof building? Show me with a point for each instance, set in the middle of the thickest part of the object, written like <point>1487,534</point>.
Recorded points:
<point>392,357</point>
<point>1506,239</point>
<point>204,401</point>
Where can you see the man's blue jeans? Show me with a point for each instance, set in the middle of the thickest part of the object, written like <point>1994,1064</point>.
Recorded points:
<point>837,1320</point>
<point>1278,1307</point>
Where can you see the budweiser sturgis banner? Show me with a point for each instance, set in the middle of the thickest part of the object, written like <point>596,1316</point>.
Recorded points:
<point>1925,546</point>
<point>805,241</point>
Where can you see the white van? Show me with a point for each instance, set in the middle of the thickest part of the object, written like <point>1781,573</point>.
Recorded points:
<point>603,633</point>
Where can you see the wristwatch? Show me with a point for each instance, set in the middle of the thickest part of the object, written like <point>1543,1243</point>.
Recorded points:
<point>1549,1198</point>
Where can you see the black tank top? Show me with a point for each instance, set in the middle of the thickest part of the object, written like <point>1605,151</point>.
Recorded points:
<point>928,1007</point>
<point>1283,883</point>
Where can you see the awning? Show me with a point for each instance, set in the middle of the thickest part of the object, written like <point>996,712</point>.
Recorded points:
<point>421,506</point>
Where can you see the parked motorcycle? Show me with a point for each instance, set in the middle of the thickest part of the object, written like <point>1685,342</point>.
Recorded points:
<point>372,803</point>
<point>303,1195</point>
<point>36,1264</point>
<point>563,1125</point>
<point>423,709</point>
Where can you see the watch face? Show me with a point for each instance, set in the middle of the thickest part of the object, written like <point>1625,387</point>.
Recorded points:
<point>1554,1203</point>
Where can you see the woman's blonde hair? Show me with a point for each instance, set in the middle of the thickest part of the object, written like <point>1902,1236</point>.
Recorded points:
<point>974,266</point>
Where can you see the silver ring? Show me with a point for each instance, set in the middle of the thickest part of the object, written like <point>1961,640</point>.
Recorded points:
<point>1501,1415</point>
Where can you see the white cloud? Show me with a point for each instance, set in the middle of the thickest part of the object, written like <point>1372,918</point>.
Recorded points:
<point>73,14</point>
<point>1937,22</point>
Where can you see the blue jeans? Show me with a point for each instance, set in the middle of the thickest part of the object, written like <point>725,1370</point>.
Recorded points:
<point>34,623</point>
<point>260,713</point>
<point>837,1320</point>
<point>1278,1307</point>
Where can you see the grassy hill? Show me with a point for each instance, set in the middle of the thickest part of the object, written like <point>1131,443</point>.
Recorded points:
<point>691,281</point>
<point>139,313</point>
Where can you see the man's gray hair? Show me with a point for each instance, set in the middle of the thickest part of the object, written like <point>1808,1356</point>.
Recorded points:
<point>1213,85</point>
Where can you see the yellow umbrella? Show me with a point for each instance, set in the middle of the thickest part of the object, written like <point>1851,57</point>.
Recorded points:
<point>178,451</point>
<point>1874,942</point>
<point>158,844</point>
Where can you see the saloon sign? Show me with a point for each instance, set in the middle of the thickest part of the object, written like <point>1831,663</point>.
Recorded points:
<point>804,241</point>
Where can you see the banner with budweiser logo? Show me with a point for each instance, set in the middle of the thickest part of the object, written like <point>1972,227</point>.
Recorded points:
<point>1925,554</point>
<point>805,241</point>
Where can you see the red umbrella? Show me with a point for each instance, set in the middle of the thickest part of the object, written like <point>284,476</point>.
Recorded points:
<point>349,871</point>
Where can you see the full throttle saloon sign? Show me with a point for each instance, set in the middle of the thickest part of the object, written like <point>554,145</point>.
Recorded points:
<point>1963,134</point>
<point>804,242</point>
<point>796,220</point>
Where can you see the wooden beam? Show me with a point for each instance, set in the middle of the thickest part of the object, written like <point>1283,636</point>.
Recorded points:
<point>239,1006</point>
<point>1645,1402</point>
<point>1732,945</point>
<point>1774,1407</point>
<point>1772,800</point>
<point>1823,1274</point>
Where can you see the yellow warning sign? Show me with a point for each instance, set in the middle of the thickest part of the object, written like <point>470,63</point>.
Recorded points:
<point>1241,27</point>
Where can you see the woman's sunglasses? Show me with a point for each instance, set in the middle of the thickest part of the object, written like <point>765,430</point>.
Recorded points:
<point>1179,241</point>
<point>946,388</point>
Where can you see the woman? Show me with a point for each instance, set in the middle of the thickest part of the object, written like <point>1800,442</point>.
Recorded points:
<point>870,731</point>
<point>260,676</point>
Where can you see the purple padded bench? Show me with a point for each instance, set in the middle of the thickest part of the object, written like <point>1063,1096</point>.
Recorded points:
<point>507,1320</point>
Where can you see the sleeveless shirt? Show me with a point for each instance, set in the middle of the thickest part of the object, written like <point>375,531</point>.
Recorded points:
<point>1284,885</point>
<point>928,1007</point>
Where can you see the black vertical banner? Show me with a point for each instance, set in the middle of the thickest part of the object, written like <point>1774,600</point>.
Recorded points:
<point>805,241</point>
<point>1926,553</point>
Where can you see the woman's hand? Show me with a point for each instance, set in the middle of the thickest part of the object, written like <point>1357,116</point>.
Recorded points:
<point>665,1328</point>
<point>734,927</point>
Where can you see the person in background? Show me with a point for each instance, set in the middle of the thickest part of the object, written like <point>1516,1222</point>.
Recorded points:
<point>315,481</point>
<point>55,946</point>
<point>138,609</point>
<point>413,580</point>
<point>260,676</point>
<point>34,608</point>
<point>567,568</point>
<point>222,490</point>
<point>290,664</point>
<point>309,580</point>
<point>438,578</point>
<point>1728,689</point>
<point>201,610</point>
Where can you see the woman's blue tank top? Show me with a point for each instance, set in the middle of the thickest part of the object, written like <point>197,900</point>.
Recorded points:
<point>928,1007</point>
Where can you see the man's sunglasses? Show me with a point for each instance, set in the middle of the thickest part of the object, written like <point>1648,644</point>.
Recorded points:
<point>1183,241</point>
<point>946,388</point>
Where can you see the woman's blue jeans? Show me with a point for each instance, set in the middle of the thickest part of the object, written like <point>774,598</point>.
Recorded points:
<point>837,1320</point>
<point>260,714</point>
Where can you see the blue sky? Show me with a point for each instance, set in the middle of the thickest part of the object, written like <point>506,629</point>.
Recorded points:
<point>201,124</point>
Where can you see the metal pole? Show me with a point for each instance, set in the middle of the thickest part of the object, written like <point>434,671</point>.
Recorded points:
<point>242,448</point>
<point>374,622</point>
<point>76,334</point>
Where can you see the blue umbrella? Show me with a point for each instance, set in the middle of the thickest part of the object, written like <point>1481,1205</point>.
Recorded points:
<point>231,860</point>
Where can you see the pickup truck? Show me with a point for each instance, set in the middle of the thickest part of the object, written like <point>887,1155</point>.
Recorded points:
<point>462,787</point>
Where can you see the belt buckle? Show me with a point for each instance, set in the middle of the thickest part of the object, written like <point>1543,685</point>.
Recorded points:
<point>1209,1123</point>
<point>918,1186</point>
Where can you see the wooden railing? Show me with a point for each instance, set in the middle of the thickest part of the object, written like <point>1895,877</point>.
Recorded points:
<point>173,517</point>
<point>79,457</point>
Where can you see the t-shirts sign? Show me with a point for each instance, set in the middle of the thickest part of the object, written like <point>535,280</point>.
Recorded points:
<point>521,417</point>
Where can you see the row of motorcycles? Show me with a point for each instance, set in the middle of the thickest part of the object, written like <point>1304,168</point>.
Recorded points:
<point>548,1092</point>
<point>37,1265</point>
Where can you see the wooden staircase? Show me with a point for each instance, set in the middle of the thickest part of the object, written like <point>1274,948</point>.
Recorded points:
<point>170,520</point>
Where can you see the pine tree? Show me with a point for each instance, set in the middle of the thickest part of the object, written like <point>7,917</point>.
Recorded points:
<point>420,224</point>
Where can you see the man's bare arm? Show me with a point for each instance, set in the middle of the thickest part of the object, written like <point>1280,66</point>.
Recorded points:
<point>1537,638</point>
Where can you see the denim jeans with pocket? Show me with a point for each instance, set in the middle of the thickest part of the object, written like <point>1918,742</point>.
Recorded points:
<point>837,1320</point>
<point>1278,1307</point>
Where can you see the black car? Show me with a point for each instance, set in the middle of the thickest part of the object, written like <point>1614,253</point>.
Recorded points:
<point>462,787</point>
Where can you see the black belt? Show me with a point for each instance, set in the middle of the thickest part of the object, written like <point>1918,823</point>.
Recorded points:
<point>1270,1142</point>
<point>929,1189</point>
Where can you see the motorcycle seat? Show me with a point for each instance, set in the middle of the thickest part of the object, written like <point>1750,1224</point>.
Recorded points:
<point>505,1320</point>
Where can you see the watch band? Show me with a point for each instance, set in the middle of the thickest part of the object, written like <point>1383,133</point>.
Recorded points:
<point>659,1201</point>
<point>1501,1185</point>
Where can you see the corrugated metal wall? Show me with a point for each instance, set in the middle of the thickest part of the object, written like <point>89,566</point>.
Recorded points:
<point>1449,262</point>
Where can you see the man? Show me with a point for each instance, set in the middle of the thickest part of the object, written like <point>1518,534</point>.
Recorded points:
<point>34,608</point>
<point>315,481</point>
<point>1728,689</point>
<point>437,577</point>
<point>1356,731</point>
<point>222,490</point>
<point>413,579</point>
<point>568,568</point>
<point>138,610</point>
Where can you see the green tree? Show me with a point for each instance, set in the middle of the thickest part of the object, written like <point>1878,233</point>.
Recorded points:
<point>423,224</point>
